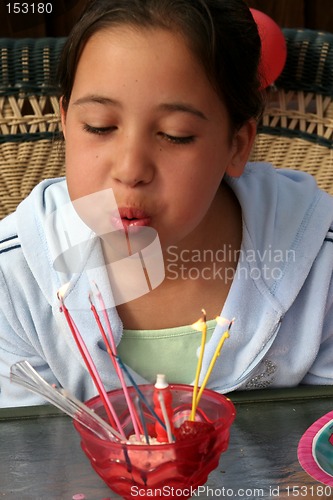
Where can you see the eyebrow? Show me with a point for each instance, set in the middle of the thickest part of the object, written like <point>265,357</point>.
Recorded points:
<point>98,99</point>
<point>174,107</point>
<point>183,108</point>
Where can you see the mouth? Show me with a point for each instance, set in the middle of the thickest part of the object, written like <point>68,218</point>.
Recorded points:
<point>130,217</point>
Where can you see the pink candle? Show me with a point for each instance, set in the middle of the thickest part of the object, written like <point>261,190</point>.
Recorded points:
<point>112,416</point>
<point>112,349</point>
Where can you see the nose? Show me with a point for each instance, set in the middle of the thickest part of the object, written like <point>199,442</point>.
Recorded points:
<point>133,164</point>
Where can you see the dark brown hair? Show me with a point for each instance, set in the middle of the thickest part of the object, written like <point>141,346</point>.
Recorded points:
<point>221,33</point>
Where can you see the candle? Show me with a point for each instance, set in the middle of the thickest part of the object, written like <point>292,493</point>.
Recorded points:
<point>140,393</point>
<point>165,417</point>
<point>215,356</point>
<point>200,325</point>
<point>112,416</point>
<point>101,329</point>
<point>144,426</point>
<point>112,349</point>
<point>162,399</point>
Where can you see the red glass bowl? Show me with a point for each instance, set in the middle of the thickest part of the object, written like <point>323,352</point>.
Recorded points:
<point>172,470</point>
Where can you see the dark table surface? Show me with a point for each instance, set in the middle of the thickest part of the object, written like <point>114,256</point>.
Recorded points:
<point>41,458</point>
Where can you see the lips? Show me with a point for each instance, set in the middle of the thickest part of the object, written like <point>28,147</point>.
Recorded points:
<point>130,217</point>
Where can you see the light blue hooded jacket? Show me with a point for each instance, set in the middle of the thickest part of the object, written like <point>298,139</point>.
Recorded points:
<point>281,295</point>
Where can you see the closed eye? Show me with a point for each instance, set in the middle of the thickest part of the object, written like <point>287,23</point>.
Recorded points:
<point>178,140</point>
<point>98,130</point>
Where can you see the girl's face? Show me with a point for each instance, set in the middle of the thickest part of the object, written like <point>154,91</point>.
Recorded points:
<point>144,120</point>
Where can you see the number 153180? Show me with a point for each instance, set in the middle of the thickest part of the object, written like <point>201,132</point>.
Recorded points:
<point>315,492</point>
<point>29,8</point>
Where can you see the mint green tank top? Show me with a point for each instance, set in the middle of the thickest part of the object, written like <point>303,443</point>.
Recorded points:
<point>172,351</point>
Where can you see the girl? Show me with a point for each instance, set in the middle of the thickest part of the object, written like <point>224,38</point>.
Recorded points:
<point>160,100</point>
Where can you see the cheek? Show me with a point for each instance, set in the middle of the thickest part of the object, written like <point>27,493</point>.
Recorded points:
<point>191,199</point>
<point>81,167</point>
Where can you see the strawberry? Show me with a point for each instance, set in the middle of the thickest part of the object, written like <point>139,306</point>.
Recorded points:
<point>189,429</point>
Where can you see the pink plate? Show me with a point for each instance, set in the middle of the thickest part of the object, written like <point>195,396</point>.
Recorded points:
<point>315,450</point>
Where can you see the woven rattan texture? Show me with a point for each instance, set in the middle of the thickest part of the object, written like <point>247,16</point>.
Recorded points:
<point>297,126</point>
<point>24,117</point>
<point>30,128</point>
<point>23,166</point>
<point>29,65</point>
<point>296,130</point>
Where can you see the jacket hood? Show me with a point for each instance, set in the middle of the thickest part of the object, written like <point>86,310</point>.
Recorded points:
<point>285,221</point>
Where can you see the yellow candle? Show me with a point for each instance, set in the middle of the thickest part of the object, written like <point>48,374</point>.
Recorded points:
<point>200,326</point>
<point>213,360</point>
